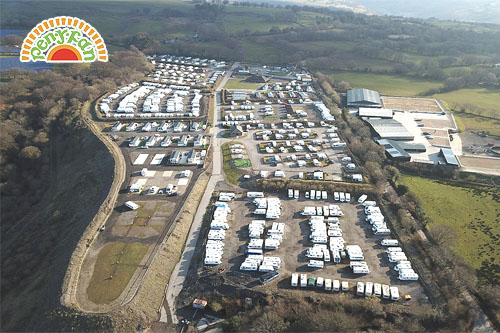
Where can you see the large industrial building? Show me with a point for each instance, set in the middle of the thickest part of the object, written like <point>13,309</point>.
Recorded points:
<point>390,129</point>
<point>363,98</point>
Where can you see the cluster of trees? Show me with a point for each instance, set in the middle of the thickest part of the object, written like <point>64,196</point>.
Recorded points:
<point>37,105</point>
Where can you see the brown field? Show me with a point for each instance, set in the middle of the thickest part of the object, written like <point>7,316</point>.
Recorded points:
<point>480,162</point>
<point>409,104</point>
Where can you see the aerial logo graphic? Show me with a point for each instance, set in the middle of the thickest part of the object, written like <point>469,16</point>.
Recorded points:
<point>63,39</point>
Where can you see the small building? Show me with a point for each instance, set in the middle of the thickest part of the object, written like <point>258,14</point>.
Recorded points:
<point>116,127</point>
<point>134,141</point>
<point>363,98</point>
<point>398,151</point>
<point>449,157</point>
<point>183,141</point>
<point>175,157</point>
<point>236,130</point>
<point>375,113</point>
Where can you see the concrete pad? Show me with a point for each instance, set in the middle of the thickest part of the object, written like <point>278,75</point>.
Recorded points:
<point>150,174</point>
<point>142,181</point>
<point>182,182</point>
<point>167,173</point>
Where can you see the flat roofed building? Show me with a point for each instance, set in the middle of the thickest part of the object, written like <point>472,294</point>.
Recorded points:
<point>363,98</point>
<point>375,113</point>
<point>390,129</point>
<point>449,157</point>
<point>399,150</point>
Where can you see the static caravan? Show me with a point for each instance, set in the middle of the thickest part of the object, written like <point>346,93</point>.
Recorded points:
<point>394,293</point>
<point>318,195</point>
<point>313,194</point>
<point>290,193</point>
<point>319,282</point>
<point>386,293</point>
<point>360,289</point>
<point>132,205</point>
<point>348,197</point>
<point>255,194</point>
<point>345,286</point>
<point>336,285</point>
<point>295,280</point>
<point>324,195</point>
<point>369,289</point>
<point>342,196</point>
<point>362,198</point>
<point>303,280</point>
<point>296,194</point>
<point>315,264</point>
<point>389,242</point>
<point>336,196</point>
<point>377,289</point>
<point>408,276</point>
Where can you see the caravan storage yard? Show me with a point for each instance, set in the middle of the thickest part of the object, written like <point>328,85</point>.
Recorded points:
<point>295,242</point>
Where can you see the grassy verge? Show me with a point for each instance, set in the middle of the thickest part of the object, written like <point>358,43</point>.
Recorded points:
<point>243,163</point>
<point>232,173</point>
<point>471,212</point>
<point>115,265</point>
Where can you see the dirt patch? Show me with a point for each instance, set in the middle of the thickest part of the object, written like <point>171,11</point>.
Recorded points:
<point>480,162</point>
<point>411,104</point>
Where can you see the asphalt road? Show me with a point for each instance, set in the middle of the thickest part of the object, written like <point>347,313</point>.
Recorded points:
<point>179,274</point>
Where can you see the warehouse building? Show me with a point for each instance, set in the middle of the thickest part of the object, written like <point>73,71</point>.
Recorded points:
<point>390,129</point>
<point>363,98</point>
<point>398,150</point>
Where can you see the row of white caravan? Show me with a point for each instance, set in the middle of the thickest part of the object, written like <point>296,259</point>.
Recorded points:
<point>378,290</point>
<point>324,111</point>
<point>326,211</point>
<point>330,285</point>
<point>375,217</point>
<point>270,207</point>
<point>215,76</point>
<point>104,106</point>
<point>401,263</point>
<point>261,263</point>
<point>218,226</point>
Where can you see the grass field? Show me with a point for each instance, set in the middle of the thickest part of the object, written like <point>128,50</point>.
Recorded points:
<point>467,103</point>
<point>233,174</point>
<point>240,84</point>
<point>119,260</point>
<point>474,215</point>
<point>386,84</point>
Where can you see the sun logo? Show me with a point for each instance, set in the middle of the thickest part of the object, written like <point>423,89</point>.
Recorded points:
<point>63,39</point>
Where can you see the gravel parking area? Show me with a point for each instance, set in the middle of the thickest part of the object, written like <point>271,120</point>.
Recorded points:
<point>296,241</point>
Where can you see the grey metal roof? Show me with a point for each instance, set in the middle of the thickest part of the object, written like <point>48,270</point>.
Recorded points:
<point>390,129</point>
<point>363,96</point>
<point>449,157</point>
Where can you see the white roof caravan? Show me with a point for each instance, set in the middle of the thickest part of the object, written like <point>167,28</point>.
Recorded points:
<point>132,205</point>
<point>295,280</point>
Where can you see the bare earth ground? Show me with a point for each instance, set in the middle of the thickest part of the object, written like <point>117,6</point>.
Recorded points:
<point>411,104</point>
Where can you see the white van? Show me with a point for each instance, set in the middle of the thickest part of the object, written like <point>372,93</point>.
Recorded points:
<point>386,293</point>
<point>377,289</point>
<point>303,280</point>
<point>389,242</point>
<point>345,286</point>
<point>360,289</point>
<point>394,293</point>
<point>336,285</point>
<point>132,205</point>
<point>368,289</point>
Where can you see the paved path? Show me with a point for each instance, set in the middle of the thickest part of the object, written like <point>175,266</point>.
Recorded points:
<point>178,276</point>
